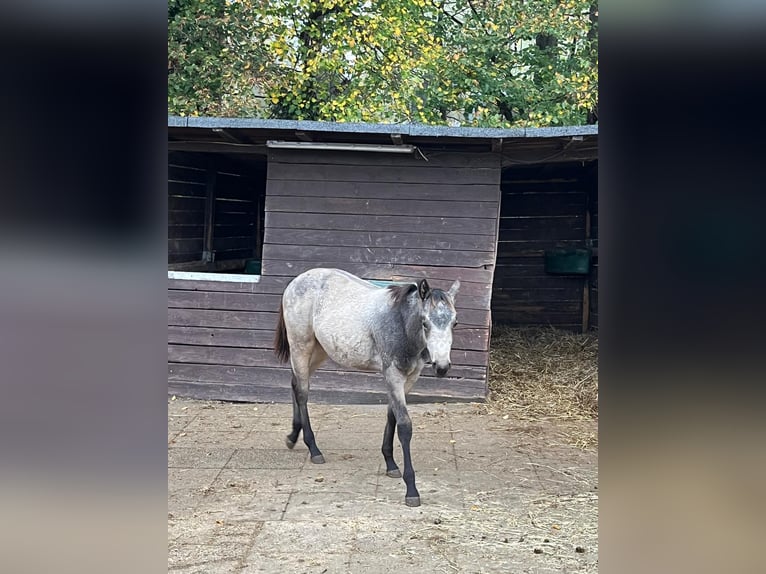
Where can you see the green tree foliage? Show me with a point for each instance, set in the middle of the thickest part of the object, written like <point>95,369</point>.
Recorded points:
<point>473,62</point>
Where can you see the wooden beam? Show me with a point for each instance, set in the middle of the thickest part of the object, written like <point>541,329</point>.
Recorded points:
<point>207,249</point>
<point>217,147</point>
<point>303,136</point>
<point>228,135</point>
<point>586,283</point>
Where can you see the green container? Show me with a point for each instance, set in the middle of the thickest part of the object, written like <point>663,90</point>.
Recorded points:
<point>253,267</point>
<point>567,261</point>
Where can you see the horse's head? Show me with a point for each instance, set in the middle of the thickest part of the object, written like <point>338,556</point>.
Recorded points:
<point>439,317</point>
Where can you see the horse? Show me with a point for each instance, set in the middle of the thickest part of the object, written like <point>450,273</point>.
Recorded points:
<point>394,330</point>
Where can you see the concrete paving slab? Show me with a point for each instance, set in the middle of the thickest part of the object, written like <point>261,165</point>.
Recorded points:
<point>205,558</point>
<point>255,480</point>
<point>500,490</point>
<point>306,536</point>
<point>244,507</point>
<point>210,439</point>
<point>297,562</point>
<point>179,423</point>
<point>198,457</point>
<point>267,458</point>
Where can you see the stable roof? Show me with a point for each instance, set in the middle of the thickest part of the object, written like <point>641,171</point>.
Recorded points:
<point>238,136</point>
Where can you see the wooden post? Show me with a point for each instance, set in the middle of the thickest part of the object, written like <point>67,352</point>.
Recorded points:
<point>586,283</point>
<point>207,247</point>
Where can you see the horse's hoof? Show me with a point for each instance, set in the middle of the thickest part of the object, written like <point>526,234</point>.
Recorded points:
<point>318,459</point>
<point>396,473</point>
<point>290,444</point>
<point>412,500</point>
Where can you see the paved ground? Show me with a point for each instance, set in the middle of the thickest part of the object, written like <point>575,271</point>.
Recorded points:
<point>497,495</point>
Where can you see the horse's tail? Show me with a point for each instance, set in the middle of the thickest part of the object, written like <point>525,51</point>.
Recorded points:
<point>281,345</point>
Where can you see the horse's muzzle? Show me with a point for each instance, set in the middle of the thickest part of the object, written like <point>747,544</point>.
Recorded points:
<point>441,370</point>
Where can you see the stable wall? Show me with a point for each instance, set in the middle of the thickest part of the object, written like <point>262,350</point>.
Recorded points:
<point>380,216</point>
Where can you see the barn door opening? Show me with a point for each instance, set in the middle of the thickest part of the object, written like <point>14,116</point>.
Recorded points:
<point>215,213</point>
<point>548,210</point>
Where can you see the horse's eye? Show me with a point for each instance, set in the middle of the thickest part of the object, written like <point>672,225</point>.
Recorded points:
<point>426,326</point>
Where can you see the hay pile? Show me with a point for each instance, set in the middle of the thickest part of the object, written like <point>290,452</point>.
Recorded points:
<point>540,373</point>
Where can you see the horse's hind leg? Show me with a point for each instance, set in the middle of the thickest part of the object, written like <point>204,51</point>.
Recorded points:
<point>304,364</point>
<point>292,438</point>
<point>388,445</point>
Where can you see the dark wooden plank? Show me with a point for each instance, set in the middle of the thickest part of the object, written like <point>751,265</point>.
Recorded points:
<point>174,258</point>
<point>233,243</point>
<point>245,392</point>
<point>264,285</point>
<point>535,248</point>
<point>229,356</point>
<point>223,301</point>
<point>239,219</point>
<point>532,228</point>
<point>247,230</point>
<point>435,159</point>
<point>216,337</point>
<point>382,272</point>
<point>464,339</point>
<point>539,284</point>
<point>466,357</point>
<point>415,174</point>
<point>464,363</point>
<point>377,190</point>
<point>572,203</point>
<point>472,339</point>
<point>226,319</point>
<point>338,379</point>
<point>321,253</point>
<point>186,174</point>
<point>540,307</point>
<point>186,217</point>
<point>185,231</point>
<point>186,189</point>
<point>234,206</point>
<point>185,245</point>
<point>267,320</point>
<point>385,223</point>
<point>542,186</point>
<point>341,238</point>
<point>571,320</point>
<point>176,203</point>
<point>295,204</point>
<point>571,292</point>
<point>227,254</point>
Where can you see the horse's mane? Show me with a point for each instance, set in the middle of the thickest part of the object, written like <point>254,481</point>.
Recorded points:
<point>399,293</point>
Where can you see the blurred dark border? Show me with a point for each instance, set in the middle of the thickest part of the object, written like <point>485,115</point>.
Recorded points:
<point>682,281</point>
<point>83,286</point>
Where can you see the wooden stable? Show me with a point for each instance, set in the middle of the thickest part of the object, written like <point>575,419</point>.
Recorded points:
<point>244,219</point>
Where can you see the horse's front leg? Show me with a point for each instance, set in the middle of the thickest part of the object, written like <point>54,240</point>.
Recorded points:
<point>397,382</point>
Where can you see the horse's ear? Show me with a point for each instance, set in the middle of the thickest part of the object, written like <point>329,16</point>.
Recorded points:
<point>423,289</point>
<point>453,290</point>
